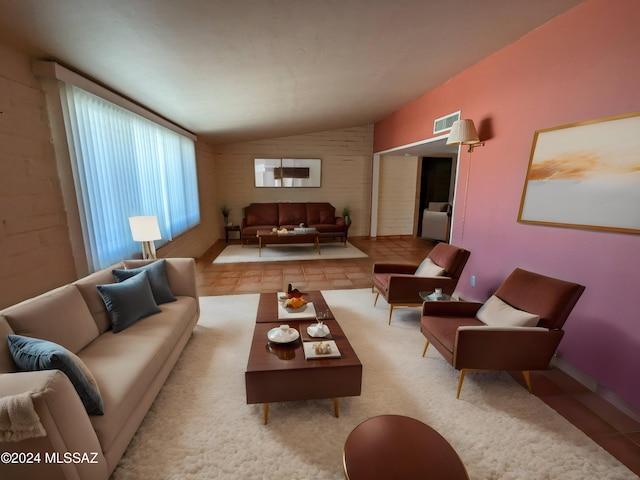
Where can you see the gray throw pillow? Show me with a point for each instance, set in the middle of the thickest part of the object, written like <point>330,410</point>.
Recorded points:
<point>33,354</point>
<point>128,301</point>
<point>157,272</point>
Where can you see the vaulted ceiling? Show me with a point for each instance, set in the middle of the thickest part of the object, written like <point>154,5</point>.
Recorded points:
<point>237,70</point>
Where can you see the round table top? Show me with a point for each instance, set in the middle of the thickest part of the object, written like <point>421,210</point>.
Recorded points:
<point>395,446</point>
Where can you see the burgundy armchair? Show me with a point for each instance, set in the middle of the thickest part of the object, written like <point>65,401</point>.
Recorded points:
<point>468,343</point>
<point>399,286</point>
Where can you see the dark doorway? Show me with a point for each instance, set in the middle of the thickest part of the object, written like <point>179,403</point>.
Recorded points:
<point>435,183</point>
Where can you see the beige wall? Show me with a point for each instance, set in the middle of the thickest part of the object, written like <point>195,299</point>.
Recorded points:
<point>35,249</point>
<point>397,195</point>
<point>346,155</point>
<point>35,254</point>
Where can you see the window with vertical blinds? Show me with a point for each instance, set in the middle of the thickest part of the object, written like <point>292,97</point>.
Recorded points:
<point>125,165</point>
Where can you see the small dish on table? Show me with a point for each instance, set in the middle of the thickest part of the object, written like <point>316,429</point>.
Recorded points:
<point>283,334</point>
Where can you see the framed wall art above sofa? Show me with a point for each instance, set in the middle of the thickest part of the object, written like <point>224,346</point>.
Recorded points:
<point>287,172</point>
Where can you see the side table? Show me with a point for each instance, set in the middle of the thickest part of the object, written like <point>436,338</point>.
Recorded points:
<point>433,296</point>
<point>395,446</point>
<point>230,228</point>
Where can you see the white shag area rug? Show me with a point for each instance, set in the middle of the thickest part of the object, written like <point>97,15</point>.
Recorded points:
<point>200,426</point>
<point>295,251</point>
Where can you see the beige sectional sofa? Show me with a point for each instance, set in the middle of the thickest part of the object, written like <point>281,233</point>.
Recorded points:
<point>43,410</point>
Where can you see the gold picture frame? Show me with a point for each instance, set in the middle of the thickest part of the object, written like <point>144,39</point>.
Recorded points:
<point>585,175</point>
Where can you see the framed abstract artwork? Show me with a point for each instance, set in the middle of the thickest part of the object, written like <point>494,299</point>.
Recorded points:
<point>287,172</point>
<point>585,175</point>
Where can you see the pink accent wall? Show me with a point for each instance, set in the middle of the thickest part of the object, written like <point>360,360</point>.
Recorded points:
<point>583,65</point>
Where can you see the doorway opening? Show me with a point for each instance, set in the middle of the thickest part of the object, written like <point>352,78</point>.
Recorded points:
<point>435,197</point>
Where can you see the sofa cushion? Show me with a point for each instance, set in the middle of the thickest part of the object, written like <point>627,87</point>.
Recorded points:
<point>157,272</point>
<point>128,301</point>
<point>7,365</point>
<point>451,258</point>
<point>136,356</point>
<point>550,298</point>
<point>92,297</point>
<point>444,330</point>
<point>33,354</point>
<point>428,268</point>
<point>328,228</point>
<point>292,214</point>
<point>497,313</point>
<point>261,214</point>
<point>60,316</point>
<point>321,213</point>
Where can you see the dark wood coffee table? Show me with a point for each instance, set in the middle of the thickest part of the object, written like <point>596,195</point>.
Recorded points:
<point>269,237</point>
<point>280,372</point>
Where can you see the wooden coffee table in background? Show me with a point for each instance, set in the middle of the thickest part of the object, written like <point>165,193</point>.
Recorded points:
<point>280,372</point>
<point>269,237</point>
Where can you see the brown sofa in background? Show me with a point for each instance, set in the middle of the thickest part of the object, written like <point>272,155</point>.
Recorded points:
<point>289,215</point>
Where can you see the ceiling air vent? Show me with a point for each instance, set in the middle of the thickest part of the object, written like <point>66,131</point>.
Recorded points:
<point>443,124</point>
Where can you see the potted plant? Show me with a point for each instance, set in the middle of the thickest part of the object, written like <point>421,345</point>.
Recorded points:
<point>225,213</point>
<point>346,213</point>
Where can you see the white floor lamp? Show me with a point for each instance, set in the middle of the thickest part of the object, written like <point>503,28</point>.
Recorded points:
<point>145,229</point>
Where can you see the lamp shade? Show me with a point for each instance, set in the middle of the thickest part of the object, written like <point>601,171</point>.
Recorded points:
<point>145,228</point>
<point>463,132</point>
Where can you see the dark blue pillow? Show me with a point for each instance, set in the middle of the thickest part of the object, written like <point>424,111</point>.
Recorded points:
<point>128,301</point>
<point>157,272</point>
<point>32,354</point>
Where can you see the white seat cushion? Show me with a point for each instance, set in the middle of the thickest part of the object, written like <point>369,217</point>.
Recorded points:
<point>428,268</point>
<point>497,313</point>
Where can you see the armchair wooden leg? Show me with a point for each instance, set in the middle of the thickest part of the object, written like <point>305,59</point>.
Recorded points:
<point>376,300</point>
<point>460,380</point>
<point>425,348</point>
<point>527,380</point>
<point>390,313</point>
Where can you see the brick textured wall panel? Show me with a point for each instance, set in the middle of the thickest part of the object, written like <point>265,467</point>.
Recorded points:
<point>36,254</point>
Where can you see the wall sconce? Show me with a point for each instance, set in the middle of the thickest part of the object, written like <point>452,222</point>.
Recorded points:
<point>463,132</point>
<point>146,230</point>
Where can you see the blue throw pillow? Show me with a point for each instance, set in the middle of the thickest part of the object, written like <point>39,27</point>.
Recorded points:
<point>32,354</point>
<point>128,301</point>
<point>157,272</point>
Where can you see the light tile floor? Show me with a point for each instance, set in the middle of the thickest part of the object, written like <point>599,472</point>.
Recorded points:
<point>612,429</point>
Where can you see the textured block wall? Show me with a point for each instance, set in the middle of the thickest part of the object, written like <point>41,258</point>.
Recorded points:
<point>346,155</point>
<point>35,253</point>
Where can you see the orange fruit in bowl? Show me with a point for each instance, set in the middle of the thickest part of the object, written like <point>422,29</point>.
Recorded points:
<point>295,302</point>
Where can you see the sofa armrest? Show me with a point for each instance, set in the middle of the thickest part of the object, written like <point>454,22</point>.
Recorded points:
<point>181,273</point>
<point>499,348</point>
<point>401,268</point>
<point>67,424</point>
<point>445,308</point>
